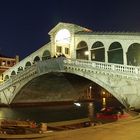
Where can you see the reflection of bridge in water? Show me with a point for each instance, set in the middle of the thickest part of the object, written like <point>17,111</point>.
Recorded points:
<point>109,59</point>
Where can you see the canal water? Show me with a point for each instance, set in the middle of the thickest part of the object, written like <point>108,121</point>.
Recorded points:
<point>49,113</point>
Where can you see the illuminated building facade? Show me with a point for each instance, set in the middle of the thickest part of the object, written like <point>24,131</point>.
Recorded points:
<point>6,63</point>
<point>109,59</point>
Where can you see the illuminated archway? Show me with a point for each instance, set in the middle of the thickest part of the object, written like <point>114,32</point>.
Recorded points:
<point>63,36</point>
<point>20,69</point>
<point>36,59</point>
<point>46,55</point>
<point>13,73</point>
<point>28,64</point>
<point>6,77</point>
<point>133,54</point>
<point>82,51</point>
<point>62,41</point>
<point>98,51</point>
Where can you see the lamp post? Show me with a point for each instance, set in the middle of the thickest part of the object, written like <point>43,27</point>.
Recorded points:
<point>104,99</point>
<point>90,92</point>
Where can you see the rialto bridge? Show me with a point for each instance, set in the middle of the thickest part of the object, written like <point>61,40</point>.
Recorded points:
<point>107,58</point>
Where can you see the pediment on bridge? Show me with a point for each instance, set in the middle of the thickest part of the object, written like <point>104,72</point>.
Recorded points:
<point>73,28</point>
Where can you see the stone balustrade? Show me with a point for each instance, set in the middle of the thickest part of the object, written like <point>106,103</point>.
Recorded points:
<point>129,71</point>
<point>116,68</point>
<point>18,77</point>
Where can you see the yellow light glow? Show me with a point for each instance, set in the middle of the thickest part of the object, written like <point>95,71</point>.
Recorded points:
<point>86,52</point>
<point>104,101</point>
<point>63,36</point>
<point>103,93</point>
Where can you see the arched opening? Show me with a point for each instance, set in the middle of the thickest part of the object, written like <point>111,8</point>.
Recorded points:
<point>46,55</point>
<point>36,59</point>
<point>20,69</point>
<point>63,36</point>
<point>98,52</point>
<point>62,42</point>
<point>115,53</point>
<point>27,65</point>
<point>82,51</point>
<point>6,77</point>
<point>13,73</point>
<point>66,87</point>
<point>133,54</point>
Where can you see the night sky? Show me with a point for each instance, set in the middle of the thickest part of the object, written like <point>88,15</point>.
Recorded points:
<point>24,24</point>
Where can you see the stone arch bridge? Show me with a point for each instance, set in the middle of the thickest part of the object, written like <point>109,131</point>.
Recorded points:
<point>121,81</point>
<point>110,59</point>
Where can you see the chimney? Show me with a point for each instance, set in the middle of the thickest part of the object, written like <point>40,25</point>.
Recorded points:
<point>17,59</point>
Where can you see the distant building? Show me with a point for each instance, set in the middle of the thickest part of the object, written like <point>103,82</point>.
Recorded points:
<point>6,63</point>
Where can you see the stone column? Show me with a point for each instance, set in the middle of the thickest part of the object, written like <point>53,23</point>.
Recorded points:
<point>89,56</point>
<point>124,47</point>
<point>106,46</point>
<point>106,55</point>
<point>124,57</point>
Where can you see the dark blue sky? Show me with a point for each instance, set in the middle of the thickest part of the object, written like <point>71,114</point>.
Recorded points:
<point>24,24</point>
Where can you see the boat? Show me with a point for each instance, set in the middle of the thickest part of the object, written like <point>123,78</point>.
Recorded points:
<point>71,124</point>
<point>111,113</point>
<point>15,129</point>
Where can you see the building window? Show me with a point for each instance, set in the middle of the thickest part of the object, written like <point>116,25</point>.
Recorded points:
<point>8,63</point>
<point>63,36</point>
<point>66,50</point>
<point>13,63</point>
<point>59,49</point>
<point>3,63</point>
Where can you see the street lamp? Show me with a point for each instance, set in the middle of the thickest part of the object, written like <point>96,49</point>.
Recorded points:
<point>90,91</point>
<point>104,99</point>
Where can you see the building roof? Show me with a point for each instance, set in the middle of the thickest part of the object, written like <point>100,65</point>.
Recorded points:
<point>4,56</point>
<point>74,26</point>
<point>108,33</point>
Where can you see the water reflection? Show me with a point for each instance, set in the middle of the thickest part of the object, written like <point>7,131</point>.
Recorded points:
<point>46,114</point>
<point>54,113</point>
<point>91,111</point>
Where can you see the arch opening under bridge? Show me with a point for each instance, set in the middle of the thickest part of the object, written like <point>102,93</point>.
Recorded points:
<point>57,86</point>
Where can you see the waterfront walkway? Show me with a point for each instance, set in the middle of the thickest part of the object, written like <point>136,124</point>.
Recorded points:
<point>121,130</point>
<point>127,129</point>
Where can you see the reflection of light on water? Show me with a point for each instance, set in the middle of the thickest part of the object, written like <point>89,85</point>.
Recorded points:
<point>1,115</point>
<point>91,104</point>
<point>91,111</point>
<point>77,104</point>
<point>104,101</point>
<point>8,113</point>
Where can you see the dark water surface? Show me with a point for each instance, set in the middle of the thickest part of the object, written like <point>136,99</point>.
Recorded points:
<point>48,113</point>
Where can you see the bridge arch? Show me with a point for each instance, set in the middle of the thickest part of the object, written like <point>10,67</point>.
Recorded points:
<point>133,54</point>
<point>28,64</point>
<point>92,80</point>
<point>99,82</point>
<point>13,73</point>
<point>6,77</point>
<point>115,53</point>
<point>20,69</point>
<point>46,55</point>
<point>98,51</point>
<point>82,50</point>
<point>36,59</point>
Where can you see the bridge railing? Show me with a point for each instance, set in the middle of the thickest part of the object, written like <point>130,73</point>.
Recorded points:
<point>118,68</point>
<point>38,68</point>
<point>54,64</point>
<point>18,77</point>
